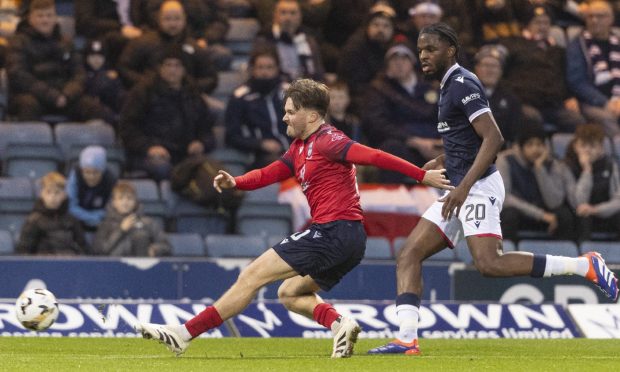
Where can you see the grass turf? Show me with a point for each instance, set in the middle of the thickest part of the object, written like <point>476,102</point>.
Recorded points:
<point>286,354</point>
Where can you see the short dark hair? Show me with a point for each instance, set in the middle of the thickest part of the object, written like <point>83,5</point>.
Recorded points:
<point>529,130</point>
<point>264,52</point>
<point>445,33</point>
<point>308,94</point>
<point>41,4</point>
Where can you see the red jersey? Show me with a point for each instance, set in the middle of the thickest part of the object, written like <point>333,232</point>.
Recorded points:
<point>327,180</point>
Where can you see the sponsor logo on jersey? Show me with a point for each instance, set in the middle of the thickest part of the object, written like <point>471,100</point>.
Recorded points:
<point>442,126</point>
<point>470,98</point>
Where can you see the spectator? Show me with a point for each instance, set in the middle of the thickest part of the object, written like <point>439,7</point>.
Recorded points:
<point>45,75</point>
<point>50,228</point>
<point>536,188</point>
<point>597,188</point>
<point>165,119</point>
<point>103,83</point>
<point>400,113</point>
<point>142,55</point>
<point>367,44</point>
<point>496,19</point>
<point>505,105</point>
<point>297,48</point>
<point>89,187</point>
<point>255,111</point>
<point>338,113</point>
<point>535,71</point>
<point>106,20</point>
<point>206,23</point>
<point>125,231</point>
<point>423,14</point>
<point>591,65</point>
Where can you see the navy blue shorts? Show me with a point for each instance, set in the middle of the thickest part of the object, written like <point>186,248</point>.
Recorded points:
<point>326,251</point>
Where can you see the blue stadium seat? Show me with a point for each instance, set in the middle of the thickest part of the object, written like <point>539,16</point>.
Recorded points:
<point>241,34</point>
<point>227,82</point>
<point>235,161</point>
<point>16,202</point>
<point>264,219</point>
<point>236,246</point>
<point>187,245</point>
<point>559,144</point>
<point>609,250</point>
<point>30,160</point>
<point>378,248</point>
<point>443,255</point>
<point>7,245</point>
<point>553,247</point>
<point>508,246</point>
<point>72,135</point>
<point>24,133</point>
<point>264,194</point>
<point>274,239</point>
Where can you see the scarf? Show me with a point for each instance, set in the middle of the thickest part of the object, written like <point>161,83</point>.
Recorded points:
<point>606,68</point>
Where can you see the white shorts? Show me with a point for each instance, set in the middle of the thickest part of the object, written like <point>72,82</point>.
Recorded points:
<point>479,215</point>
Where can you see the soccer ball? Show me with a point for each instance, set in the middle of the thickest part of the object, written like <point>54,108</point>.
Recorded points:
<point>37,309</point>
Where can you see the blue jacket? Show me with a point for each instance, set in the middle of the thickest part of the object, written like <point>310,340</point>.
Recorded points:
<point>579,74</point>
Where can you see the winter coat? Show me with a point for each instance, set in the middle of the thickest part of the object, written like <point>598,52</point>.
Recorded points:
<point>110,240</point>
<point>88,203</point>
<point>48,231</point>
<point>95,18</point>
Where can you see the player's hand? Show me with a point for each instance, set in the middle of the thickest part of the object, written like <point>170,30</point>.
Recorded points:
<point>223,181</point>
<point>453,201</point>
<point>436,163</point>
<point>437,178</point>
<point>552,220</point>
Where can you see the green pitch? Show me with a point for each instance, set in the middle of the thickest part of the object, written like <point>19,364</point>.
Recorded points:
<point>247,354</point>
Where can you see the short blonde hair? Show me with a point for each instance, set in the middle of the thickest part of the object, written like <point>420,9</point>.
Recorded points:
<point>123,187</point>
<point>53,179</point>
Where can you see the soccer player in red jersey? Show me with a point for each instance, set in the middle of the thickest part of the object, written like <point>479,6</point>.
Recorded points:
<point>321,158</point>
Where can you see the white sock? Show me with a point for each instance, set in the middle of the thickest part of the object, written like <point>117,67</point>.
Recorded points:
<point>560,265</point>
<point>182,331</point>
<point>408,316</point>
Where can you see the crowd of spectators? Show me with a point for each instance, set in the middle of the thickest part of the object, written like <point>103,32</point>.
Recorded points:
<point>150,68</point>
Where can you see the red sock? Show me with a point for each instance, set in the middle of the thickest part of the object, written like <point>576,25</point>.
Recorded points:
<point>208,319</point>
<point>325,314</point>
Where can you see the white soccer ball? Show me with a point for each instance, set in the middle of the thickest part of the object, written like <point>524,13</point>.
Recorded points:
<point>37,309</point>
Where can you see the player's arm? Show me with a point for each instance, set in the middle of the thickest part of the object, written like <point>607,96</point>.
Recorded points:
<point>255,179</point>
<point>364,155</point>
<point>492,141</point>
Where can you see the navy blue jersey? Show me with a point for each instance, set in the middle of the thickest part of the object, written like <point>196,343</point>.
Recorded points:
<point>461,100</point>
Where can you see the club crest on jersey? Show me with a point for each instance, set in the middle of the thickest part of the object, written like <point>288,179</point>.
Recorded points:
<point>309,153</point>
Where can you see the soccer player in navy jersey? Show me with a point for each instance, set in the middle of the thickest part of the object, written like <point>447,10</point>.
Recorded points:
<point>471,142</point>
<point>322,159</point>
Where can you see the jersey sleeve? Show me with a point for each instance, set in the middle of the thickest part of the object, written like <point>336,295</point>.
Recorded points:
<point>333,144</point>
<point>470,97</point>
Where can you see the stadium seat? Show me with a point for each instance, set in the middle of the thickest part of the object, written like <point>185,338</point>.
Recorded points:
<point>16,202</point>
<point>7,245</point>
<point>24,133</point>
<point>264,219</point>
<point>378,248</point>
<point>72,135</point>
<point>236,246</point>
<point>274,239</point>
<point>241,34</point>
<point>228,81</point>
<point>264,194</point>
<point>609,250</point>
<point>443,255</point>
<point>30,160</point>
<point>553,247</point>
<point>234,160</point>
<point>508,246</point>
<point>187,245</point>
<point>559,144</point>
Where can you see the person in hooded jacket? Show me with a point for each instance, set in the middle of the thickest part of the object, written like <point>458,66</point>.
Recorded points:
<point>125,231</point>
<point>255,110</point>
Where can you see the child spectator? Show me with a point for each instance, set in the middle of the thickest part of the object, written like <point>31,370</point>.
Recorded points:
<point>125,232</point>
<point>597,188</point>
<point>338,112</point>
<point>536,188</point>
<point>89,187</point>
<point>50,229</point>
<point>103,83</point>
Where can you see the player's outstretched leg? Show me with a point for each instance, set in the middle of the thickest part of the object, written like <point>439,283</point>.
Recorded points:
<point>599,274</point>
<point>166,335</point>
